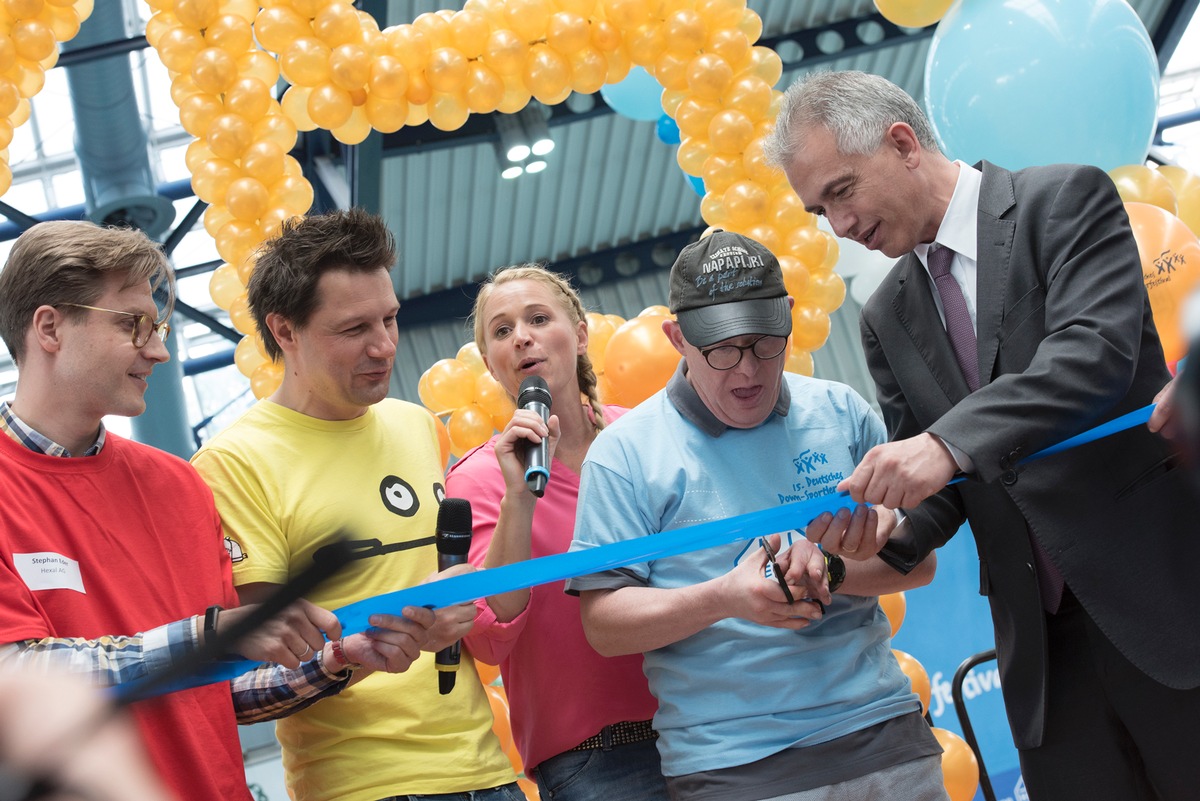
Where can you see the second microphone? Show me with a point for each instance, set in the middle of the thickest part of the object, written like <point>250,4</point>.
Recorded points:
<point>535,396</point>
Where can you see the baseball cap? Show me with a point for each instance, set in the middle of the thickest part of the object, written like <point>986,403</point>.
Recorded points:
<point>727,285</point>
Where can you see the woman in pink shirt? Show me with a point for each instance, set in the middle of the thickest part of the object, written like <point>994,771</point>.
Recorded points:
<point>581,722</point>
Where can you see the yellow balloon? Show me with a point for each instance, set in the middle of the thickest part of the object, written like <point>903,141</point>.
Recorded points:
<point>276,128</point>
<point>355,129</point>
<point>247,198</point>
<point>225,286</point>
<point>249,98</point>
<point>1137,183</point>
<point>305,62</point>
<point>386,114</point>
<point>1187,195</point>
<point>266,379</point>
<point>799,362</point>
<point>229,135</point>
<point>469,355</point>
<point>213,70</point>
<point>447,70</point>
<point>247,356</point>
<point>913,13</point>
<point>278,26</point>
<point>448,111</point>
<point>388,77</point>
<point>330,106</point>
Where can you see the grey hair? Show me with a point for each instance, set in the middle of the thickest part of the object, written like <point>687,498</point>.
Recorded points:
<point>856,107</point>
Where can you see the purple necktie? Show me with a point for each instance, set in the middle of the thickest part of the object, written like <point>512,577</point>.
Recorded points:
<point>958,319</point>
<point>962,338</point>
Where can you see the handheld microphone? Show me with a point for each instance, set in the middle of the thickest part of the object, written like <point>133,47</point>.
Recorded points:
<point>453,536</point>
<point>535,396</point>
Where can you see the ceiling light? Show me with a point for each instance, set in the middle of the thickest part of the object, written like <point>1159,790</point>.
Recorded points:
<point>535,166</point>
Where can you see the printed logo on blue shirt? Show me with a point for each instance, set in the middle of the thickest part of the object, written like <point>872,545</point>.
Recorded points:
<point>816,477</point>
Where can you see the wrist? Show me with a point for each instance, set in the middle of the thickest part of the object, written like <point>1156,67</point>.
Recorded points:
<point>334,656</point>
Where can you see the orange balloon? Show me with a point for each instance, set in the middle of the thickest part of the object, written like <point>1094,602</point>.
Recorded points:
<point>443,445</point>
<point>893,606</point>
<point>960,768</point>
<point>1170,256</point>
<point>1137,183</point>
<point>498,700</point>
<point>600,331</point>
<point>492,398</point>
<point>657,310</point>
<point>639,361</point>
<point>487,673</point>
<point>530,788</point>
<point>449,385</point>
<point>917,676</point>
<point>469,426</point>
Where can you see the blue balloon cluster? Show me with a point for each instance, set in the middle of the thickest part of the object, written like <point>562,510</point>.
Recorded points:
<point>638,96</point>
<point>1043,81</point>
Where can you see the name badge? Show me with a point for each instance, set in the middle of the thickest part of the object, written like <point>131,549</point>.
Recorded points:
<point>49,571</point>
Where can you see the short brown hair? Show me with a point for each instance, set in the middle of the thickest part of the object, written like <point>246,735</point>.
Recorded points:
<point>287,268</point>
<point>65,261</point>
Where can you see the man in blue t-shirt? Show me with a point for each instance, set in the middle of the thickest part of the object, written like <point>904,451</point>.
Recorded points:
<point>759,697</point>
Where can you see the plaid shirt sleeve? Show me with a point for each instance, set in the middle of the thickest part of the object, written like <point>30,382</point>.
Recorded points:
<point>271,692</point>
<point>106,660</point>
<point>265,693</point>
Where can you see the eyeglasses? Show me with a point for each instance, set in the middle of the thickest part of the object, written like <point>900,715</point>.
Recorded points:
<point>727,357</point>
<point>143,324</point>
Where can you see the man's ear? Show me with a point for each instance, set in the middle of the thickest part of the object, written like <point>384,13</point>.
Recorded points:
<point>902,139</point>
<point>45,332</point>
<point>282,329</point>
<point>675,334</point>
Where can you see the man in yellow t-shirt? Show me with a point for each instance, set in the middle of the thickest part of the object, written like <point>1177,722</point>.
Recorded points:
<point>329,451</point>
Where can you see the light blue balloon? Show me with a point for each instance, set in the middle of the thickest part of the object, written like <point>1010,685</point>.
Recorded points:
<point>638,97</point>
<point>667,130</point>
<point>696,183</point>
<point>1042,82</point>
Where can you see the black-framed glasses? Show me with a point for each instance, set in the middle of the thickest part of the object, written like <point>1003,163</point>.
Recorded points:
<point>727,357</point>
<point>143,324</point>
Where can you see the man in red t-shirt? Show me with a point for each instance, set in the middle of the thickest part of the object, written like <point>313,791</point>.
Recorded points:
<point>112,558</point>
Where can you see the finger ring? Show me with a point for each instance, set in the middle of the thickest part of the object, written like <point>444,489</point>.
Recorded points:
<point>307,650</point>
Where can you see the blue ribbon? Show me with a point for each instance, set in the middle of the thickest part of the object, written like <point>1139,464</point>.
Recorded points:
<point>557,567</point>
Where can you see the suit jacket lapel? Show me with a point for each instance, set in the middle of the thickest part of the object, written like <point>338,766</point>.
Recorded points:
<point>914,308</point>
<point>994,243</point>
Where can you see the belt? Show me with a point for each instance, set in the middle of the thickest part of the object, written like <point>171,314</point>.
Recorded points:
<point>623,733</point>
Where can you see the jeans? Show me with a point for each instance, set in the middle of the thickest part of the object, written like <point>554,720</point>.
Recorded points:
<point>505,792</point>
<point>631,771</point>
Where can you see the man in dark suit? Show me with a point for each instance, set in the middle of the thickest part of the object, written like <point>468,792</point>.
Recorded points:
<point>1031,325</point>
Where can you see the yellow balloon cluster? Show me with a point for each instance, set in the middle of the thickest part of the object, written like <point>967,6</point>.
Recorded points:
<point>222,82</point>
<point>30,32</point>
<point>350,77</point>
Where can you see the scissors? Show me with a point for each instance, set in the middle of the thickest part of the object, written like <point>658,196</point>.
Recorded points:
<point>787,593</point>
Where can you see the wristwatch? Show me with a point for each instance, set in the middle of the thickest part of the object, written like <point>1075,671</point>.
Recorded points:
<point>836,569</point>
<point>210,623</point>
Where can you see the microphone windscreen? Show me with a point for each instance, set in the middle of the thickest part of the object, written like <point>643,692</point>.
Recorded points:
<point>454,519</point>
<point>533,390</point>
